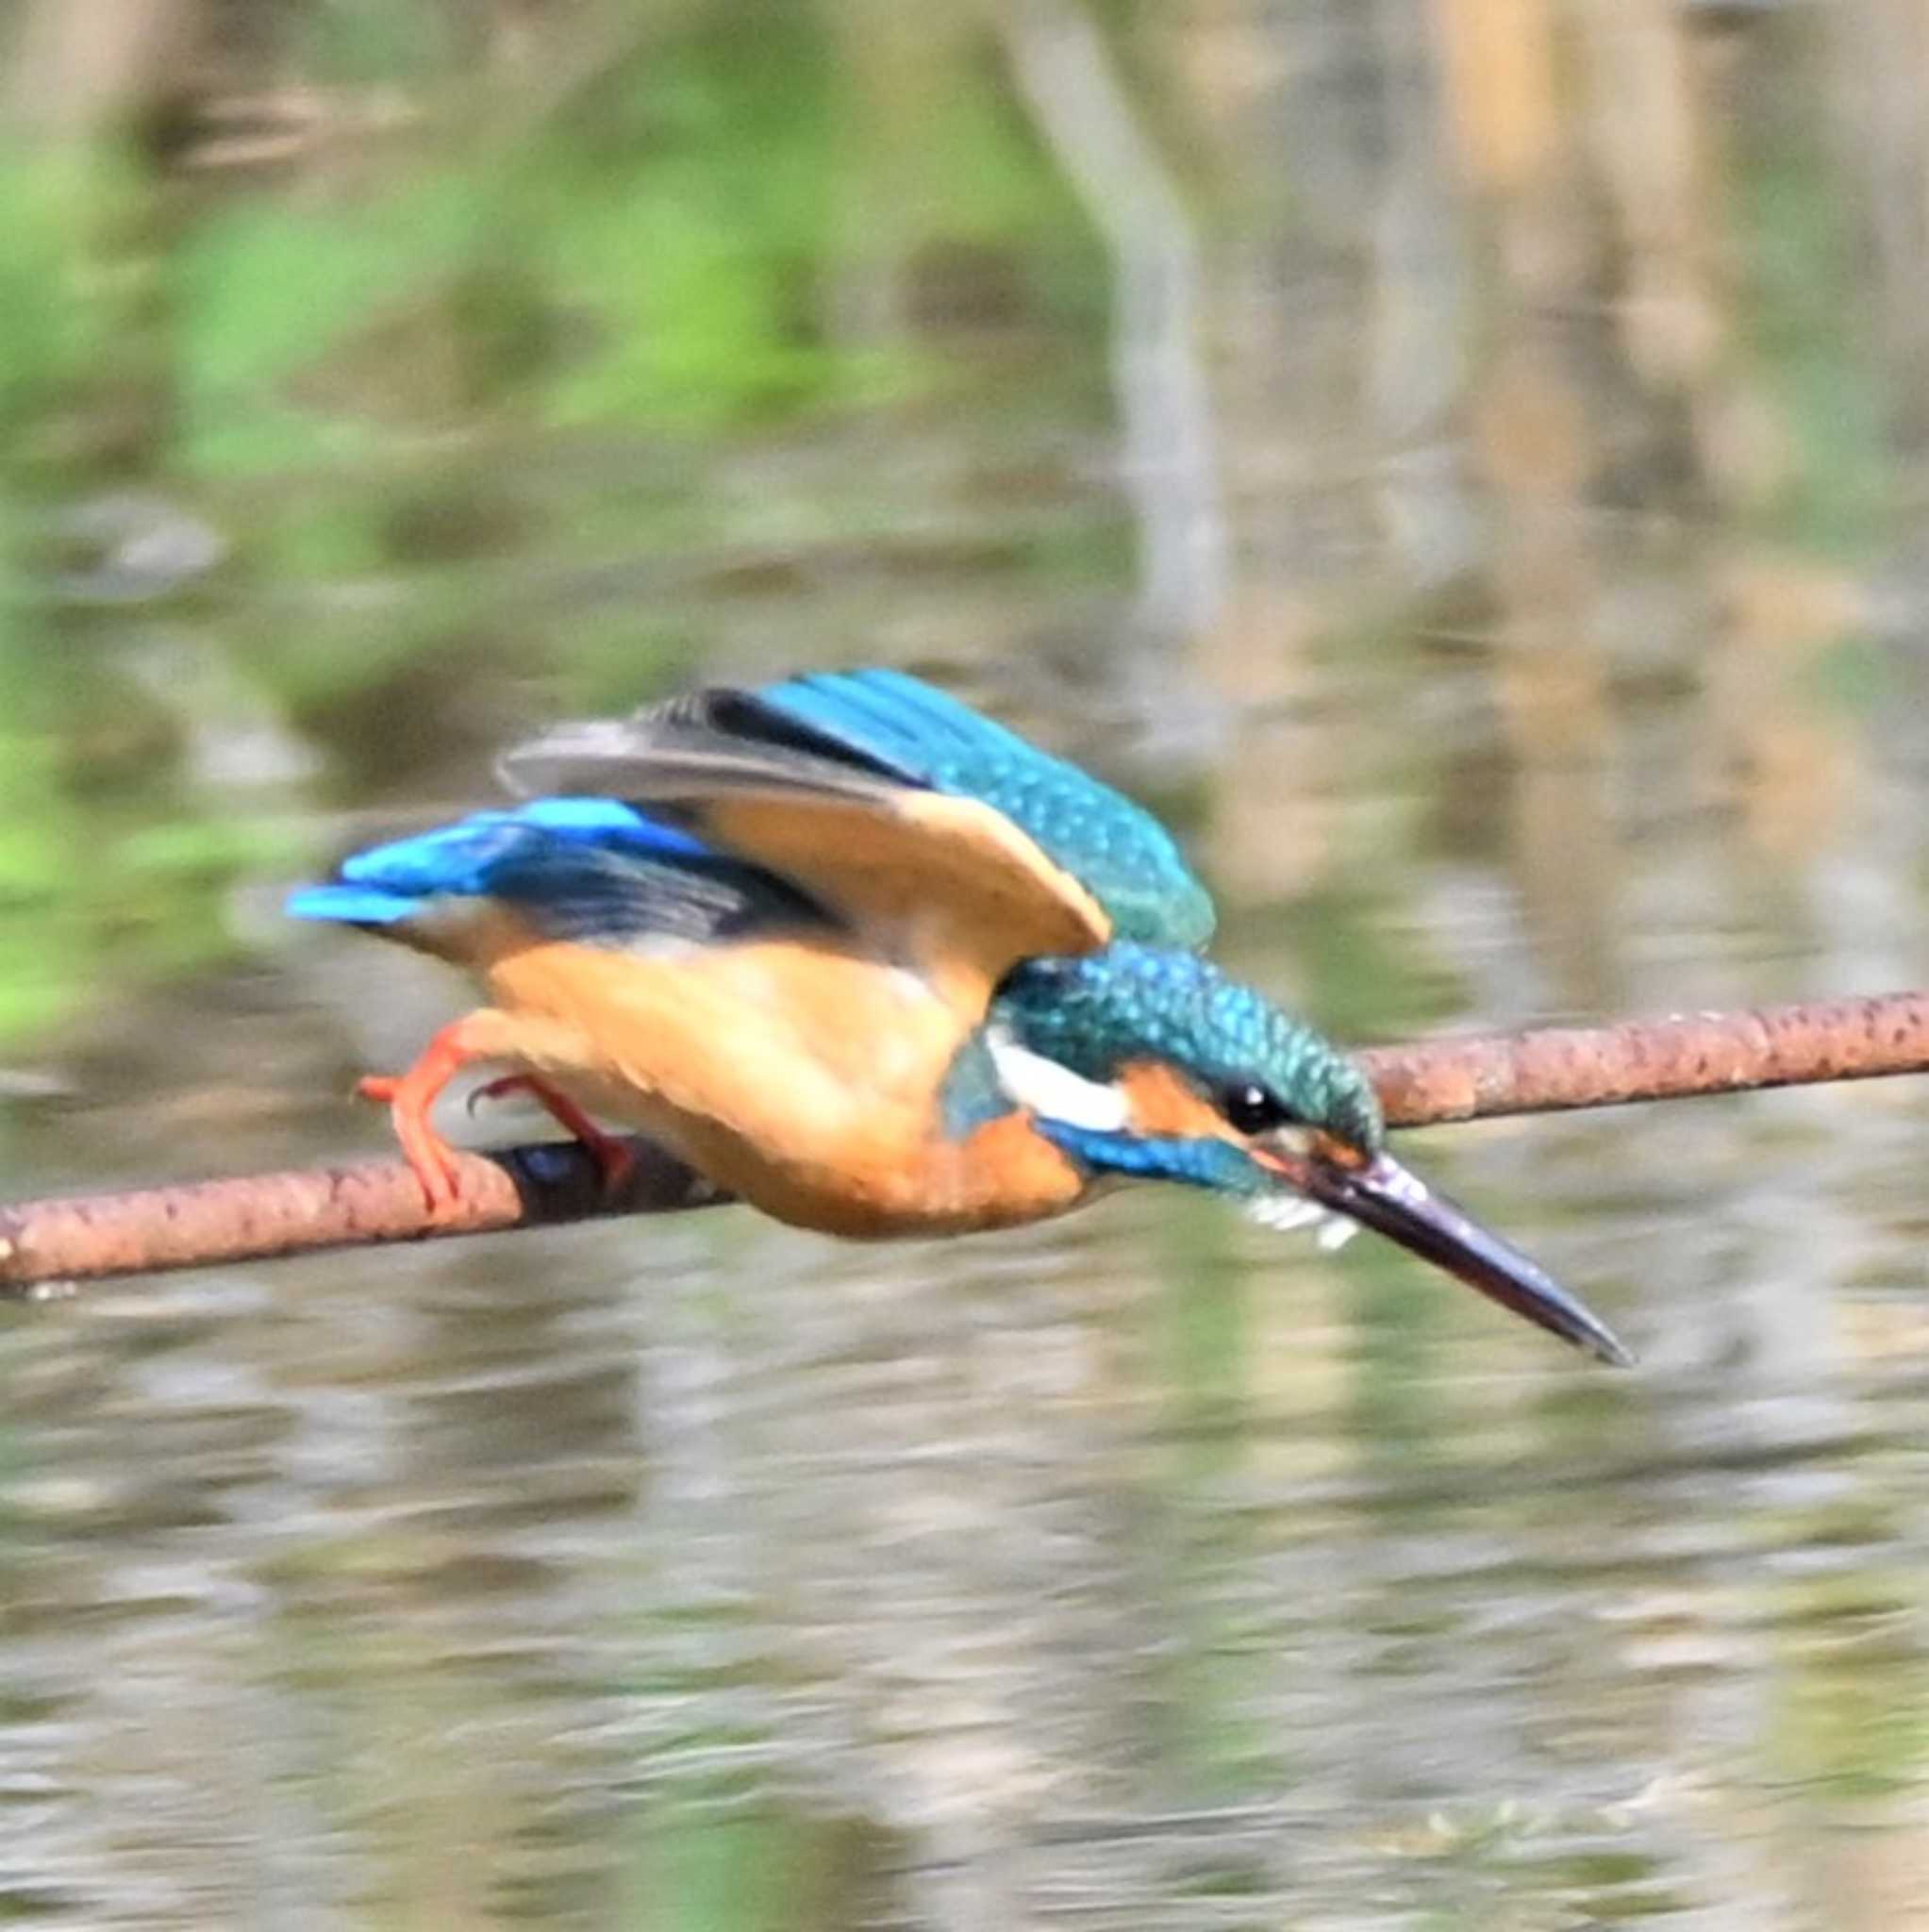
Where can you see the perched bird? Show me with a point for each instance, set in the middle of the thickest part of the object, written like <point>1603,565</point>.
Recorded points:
<point>877,965</point>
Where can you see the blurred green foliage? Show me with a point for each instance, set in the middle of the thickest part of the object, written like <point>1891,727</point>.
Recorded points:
<point>1799,262</point>
<point>348,367</point>
<point>719,231</point>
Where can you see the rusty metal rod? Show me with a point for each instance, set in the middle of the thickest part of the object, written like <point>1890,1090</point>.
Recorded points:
<point>1553,1068</point>
<point>47,1245</point>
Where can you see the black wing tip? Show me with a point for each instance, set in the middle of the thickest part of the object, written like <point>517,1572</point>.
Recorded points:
<point>717,722</point>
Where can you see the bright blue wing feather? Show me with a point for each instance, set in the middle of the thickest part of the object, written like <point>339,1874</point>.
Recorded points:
<point>1127,860</point>
<point>470,855</point>
<point>587,869</point>
<point>352,905</point>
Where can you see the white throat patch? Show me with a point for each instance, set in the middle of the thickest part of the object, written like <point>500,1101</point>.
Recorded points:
<point>1055,1092</point>
<point>1288,1211</point>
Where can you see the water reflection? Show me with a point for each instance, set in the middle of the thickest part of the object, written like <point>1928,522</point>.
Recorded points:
<point>1143,1572</point>
<point>1140,1569</point>
<point>1146,1569</point>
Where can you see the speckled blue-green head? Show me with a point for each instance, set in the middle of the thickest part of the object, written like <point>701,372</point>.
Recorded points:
<point>1130,1005</point>
<point>1140,1061</point>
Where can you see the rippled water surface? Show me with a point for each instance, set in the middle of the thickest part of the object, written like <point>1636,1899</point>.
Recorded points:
<point>1145,1570</point>
<point>1472,483</point>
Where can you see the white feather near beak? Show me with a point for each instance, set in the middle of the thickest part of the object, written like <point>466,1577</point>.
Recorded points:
<point>1054,1092</point>
<point>1285,1213</point>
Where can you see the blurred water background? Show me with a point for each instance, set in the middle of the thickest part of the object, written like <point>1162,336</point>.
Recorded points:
<point>1463,459</point>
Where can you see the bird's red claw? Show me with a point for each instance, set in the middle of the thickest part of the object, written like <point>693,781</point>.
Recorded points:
<point>614,1161</point>
<point>428,1154</point>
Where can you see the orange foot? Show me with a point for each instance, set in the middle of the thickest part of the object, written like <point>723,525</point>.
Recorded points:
<point>614,1161</point>
<point>409,1098</point>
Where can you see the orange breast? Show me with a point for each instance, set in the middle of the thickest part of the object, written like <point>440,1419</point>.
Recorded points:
<point>802,1078</point>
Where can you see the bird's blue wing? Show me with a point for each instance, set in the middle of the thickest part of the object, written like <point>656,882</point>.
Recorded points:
<point>591,870</point>
<point>923,736</point>
<point>952,840</point>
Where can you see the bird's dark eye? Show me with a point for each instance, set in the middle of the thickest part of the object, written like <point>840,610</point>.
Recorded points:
<point>1253,1108</point>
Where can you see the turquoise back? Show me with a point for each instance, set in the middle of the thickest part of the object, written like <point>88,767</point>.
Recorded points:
<point>1118,851</point>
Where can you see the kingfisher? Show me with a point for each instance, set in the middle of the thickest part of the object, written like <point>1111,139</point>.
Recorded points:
<point>874,963</point>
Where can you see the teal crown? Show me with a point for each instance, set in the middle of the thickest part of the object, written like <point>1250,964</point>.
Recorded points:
<point>1101,1012</point>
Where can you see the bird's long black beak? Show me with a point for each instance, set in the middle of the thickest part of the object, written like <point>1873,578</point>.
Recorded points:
<point>1392,1200</point>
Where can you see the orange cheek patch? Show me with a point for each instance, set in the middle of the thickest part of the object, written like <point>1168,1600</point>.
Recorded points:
<point>1332,1153</point>
<point>1163,1103</point>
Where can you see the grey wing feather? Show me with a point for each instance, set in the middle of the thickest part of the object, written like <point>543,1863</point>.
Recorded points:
<point>691,747</point>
